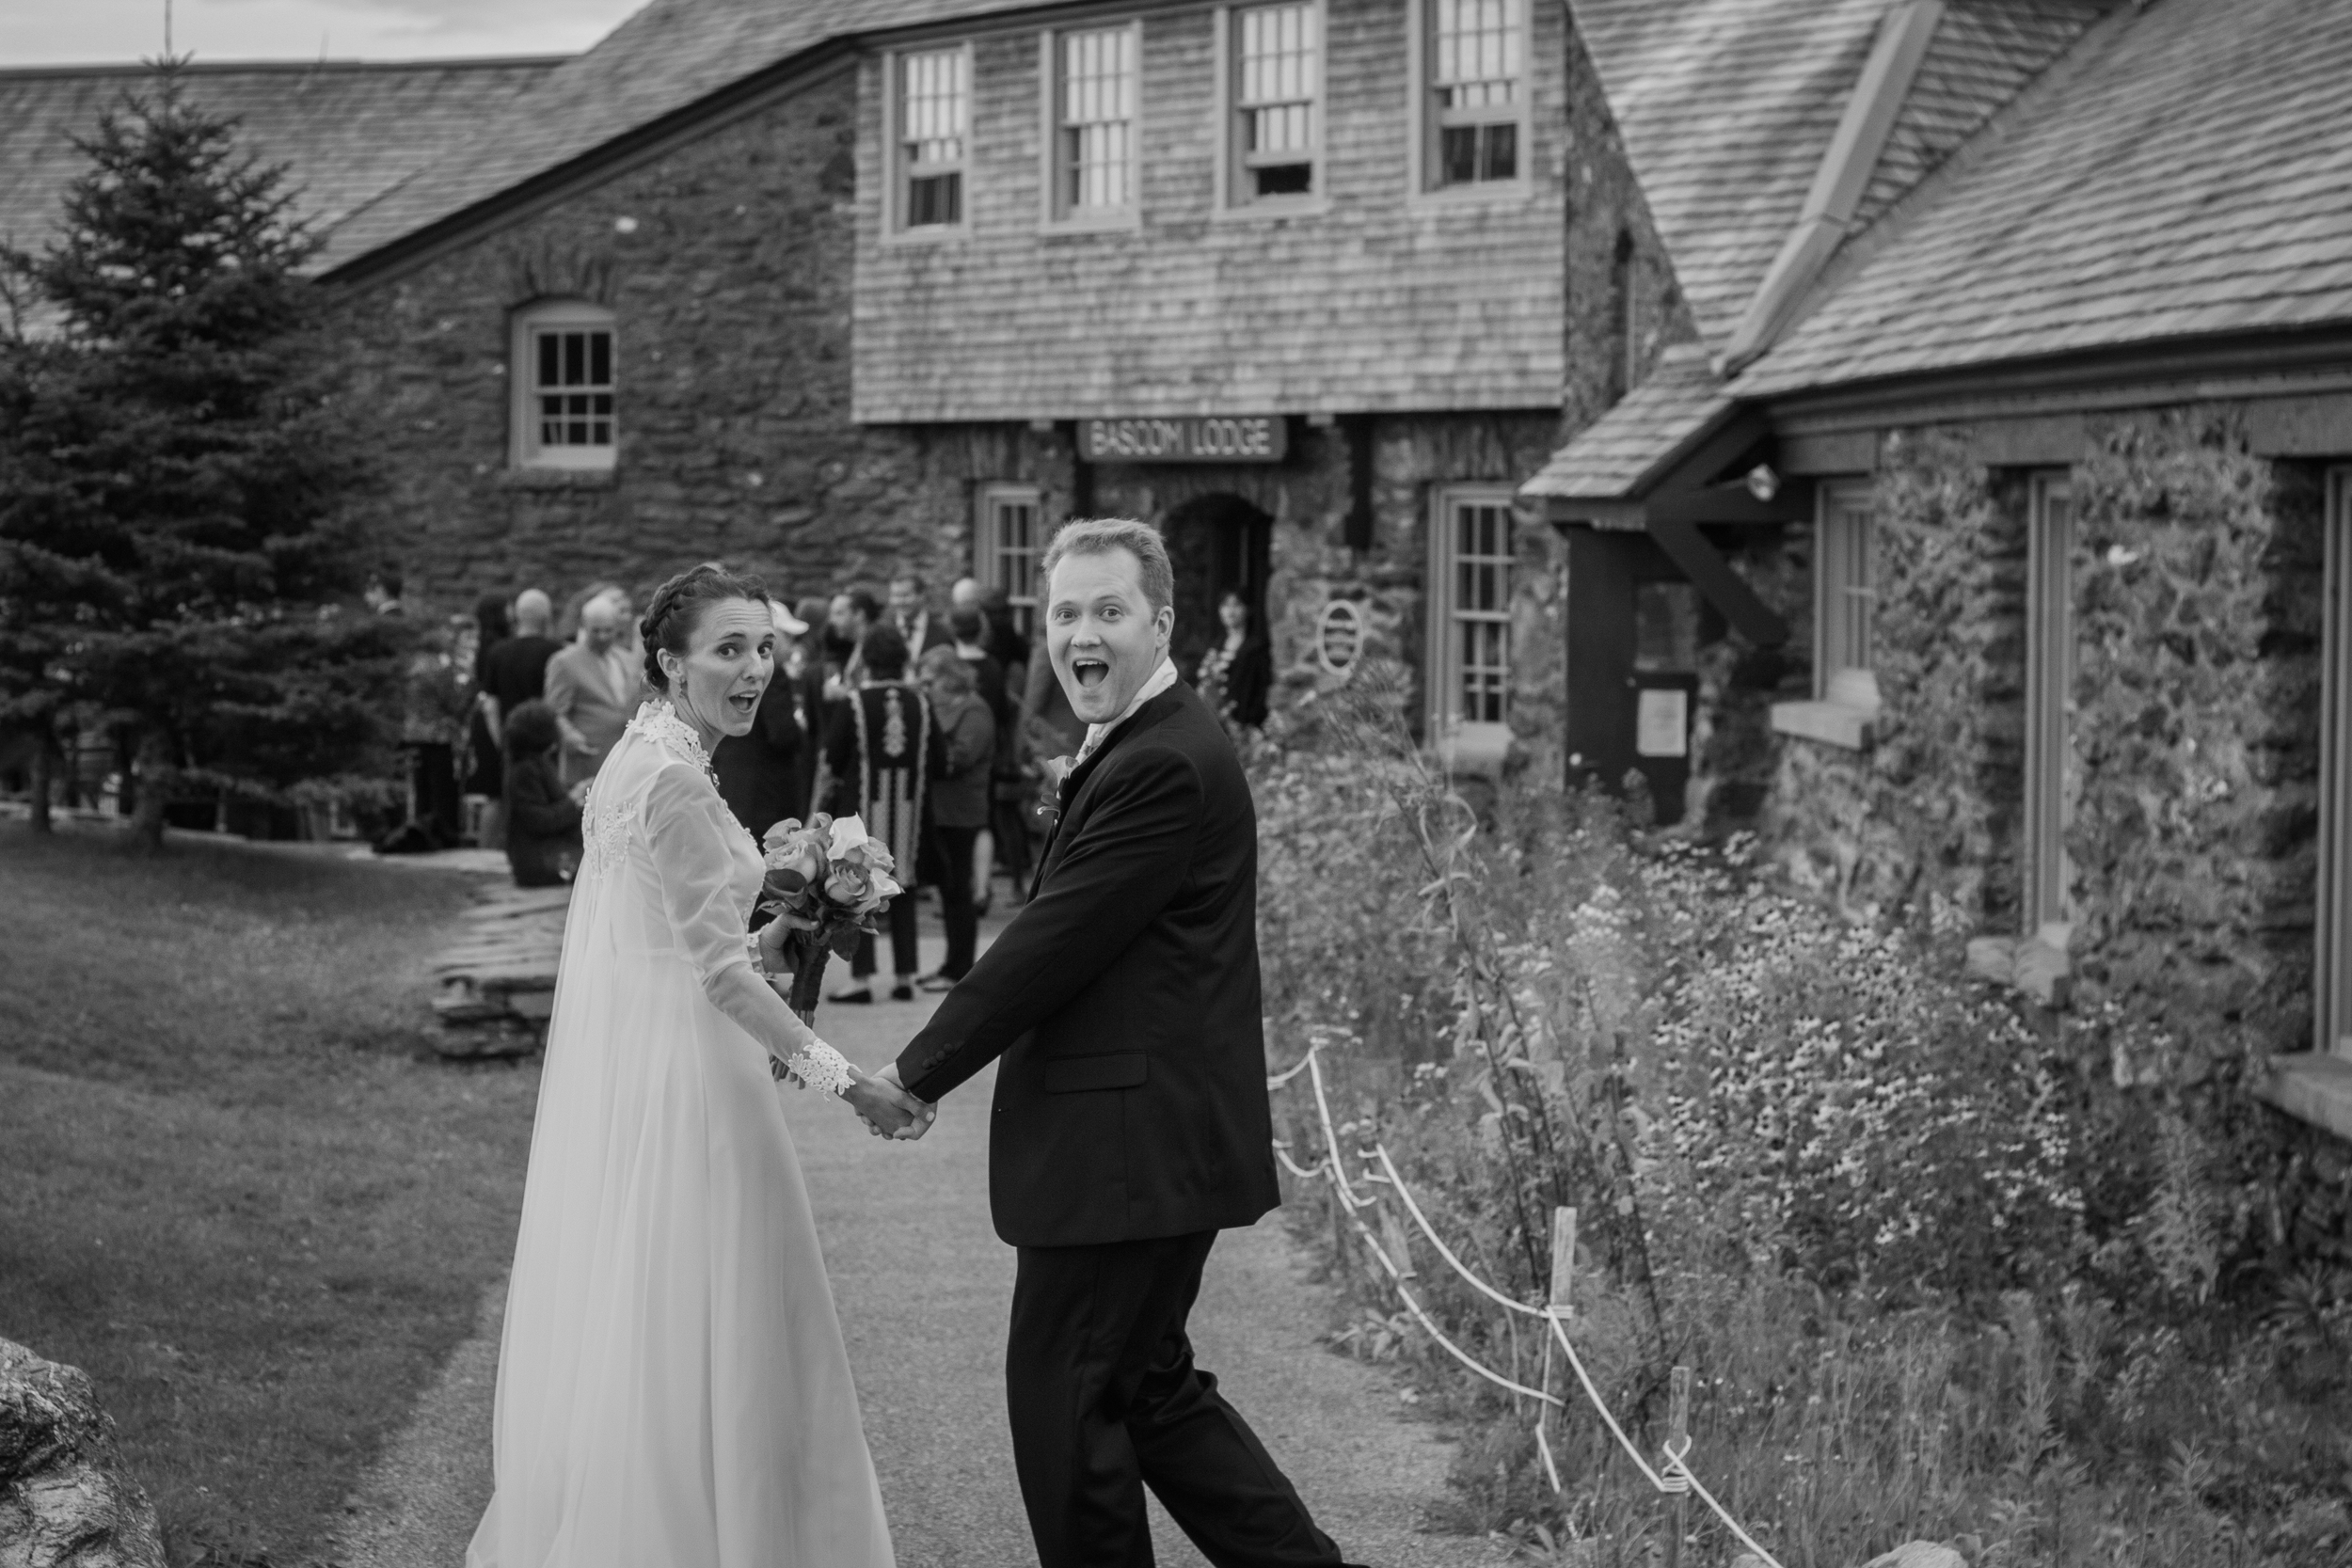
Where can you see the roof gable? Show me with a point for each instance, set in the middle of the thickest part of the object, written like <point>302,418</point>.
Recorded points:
<point>663,60</point>
<point>1727,108</point>
<point>2195,178</point>
<point>348,131</point>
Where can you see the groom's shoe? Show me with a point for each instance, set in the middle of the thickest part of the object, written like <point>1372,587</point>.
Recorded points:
<point>904,990</point>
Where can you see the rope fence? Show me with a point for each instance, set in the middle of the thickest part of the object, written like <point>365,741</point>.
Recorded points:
<point>1670,1477</point>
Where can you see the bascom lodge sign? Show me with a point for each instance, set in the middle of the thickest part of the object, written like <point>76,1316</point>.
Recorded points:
<point>1216,439</point>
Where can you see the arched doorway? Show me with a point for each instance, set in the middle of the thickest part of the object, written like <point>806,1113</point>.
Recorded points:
<point>1216,543</point>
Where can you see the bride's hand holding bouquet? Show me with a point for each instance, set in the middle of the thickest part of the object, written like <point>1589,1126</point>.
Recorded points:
<point>827,882</point>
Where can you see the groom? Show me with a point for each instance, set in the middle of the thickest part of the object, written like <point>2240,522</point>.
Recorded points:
<point>1131,1122</point>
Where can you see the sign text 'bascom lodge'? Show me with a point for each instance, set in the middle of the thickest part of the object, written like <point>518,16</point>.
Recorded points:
<point>1216,439</point>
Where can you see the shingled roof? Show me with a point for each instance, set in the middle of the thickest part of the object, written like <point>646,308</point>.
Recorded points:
<point>1627,449</point>
<point>1727,107</point>
<point>662,60</point>
<point>2195,178</point>
<point>348,131</point>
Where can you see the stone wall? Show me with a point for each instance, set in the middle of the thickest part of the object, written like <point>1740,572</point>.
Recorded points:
<point>727,264</point>
<point>2197,593</point>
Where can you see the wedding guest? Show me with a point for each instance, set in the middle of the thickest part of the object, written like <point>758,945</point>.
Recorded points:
<point>1237,671</point>
<point>849,617</point>
<point>1006,639</point>
<point>968,627</point>
<point>515,671</point>
<point>881,751</point>
<point>958,801</point>
<point>593,689</point>
<point>763,773</point>
<point>1046,712</point>
<point>542,816</point>
<point>485,776</point>
<point>910,614</point>
<point>382,593</point>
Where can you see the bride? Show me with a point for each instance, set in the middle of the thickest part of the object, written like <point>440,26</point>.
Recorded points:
<point>672,1385</point>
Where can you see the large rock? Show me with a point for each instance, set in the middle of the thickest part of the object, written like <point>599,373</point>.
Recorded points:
<point>62,1505</point>
<point>1920,1553</point>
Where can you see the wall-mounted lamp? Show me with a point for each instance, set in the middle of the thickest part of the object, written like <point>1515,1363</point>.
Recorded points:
<point>1763,483</point>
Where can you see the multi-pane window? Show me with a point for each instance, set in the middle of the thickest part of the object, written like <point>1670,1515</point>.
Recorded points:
<point>1278,72</point>
<point>566,387</point>
<point>934,105</point>
<point>1471,559</point>
<point>1094,121</point>
<point>2049,700</point>
<point>1482,608</point>
<point>1008,544</point>
<point>1475,93</point>
<point>1843,598</point>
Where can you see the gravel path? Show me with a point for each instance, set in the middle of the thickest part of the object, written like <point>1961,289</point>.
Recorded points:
<point>924,1287</point>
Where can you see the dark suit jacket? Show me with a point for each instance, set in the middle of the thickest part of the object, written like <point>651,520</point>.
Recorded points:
<point>1124,998</point>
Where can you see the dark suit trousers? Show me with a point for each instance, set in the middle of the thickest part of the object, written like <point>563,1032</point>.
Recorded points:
<point>1105,1401</point>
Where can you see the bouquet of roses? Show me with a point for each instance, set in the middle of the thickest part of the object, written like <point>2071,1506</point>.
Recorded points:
<point>826,882</point>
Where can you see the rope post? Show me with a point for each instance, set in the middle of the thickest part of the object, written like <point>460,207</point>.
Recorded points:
<point>1399,1247</point>
<point>1563,1283</point>
<point>1678,1443</point>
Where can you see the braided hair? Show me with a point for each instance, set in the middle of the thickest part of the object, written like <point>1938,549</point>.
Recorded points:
<point>677,606</point>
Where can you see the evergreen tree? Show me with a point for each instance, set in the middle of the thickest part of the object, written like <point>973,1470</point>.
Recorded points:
<point>174,557</point>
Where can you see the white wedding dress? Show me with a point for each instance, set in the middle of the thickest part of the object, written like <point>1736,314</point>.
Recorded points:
<point>672,1389</point>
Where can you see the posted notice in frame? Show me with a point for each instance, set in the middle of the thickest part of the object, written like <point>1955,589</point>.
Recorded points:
<point>1661,723</point>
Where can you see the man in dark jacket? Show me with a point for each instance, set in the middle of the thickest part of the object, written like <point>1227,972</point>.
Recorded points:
<point>1131,1122</point>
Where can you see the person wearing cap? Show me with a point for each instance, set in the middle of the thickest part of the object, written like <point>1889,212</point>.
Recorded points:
<point>764,774</point>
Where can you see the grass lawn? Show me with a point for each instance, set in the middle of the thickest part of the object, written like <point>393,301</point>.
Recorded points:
<point>235,1185</point>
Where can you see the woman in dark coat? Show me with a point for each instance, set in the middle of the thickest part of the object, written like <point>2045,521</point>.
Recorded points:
<point>1237,671</point>
<point>541,817</point>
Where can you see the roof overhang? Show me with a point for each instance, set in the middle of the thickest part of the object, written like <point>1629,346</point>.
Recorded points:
<point>1713,466</point>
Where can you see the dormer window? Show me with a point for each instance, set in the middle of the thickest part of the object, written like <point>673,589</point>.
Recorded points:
<point>564,378</point>
<point>1276,129</point>
<point>1474,93</point>
<point>931,109</point>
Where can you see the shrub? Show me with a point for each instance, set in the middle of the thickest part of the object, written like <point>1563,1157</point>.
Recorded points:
<point>1813,1162</point>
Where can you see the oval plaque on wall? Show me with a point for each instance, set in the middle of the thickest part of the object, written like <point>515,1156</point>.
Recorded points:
<point>1338,636</point>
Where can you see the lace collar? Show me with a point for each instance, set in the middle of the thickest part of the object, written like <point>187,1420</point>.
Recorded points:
<point>658,722</point>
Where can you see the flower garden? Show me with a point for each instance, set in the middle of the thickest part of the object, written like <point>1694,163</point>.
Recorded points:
<point>1934,1277</point>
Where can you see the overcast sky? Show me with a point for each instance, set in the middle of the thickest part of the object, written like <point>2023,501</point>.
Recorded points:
<point>72,32</point>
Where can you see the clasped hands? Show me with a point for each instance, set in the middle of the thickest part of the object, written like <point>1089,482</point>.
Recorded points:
<point>883,1104</point>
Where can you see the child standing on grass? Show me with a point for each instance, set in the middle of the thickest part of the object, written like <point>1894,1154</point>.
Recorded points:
<point>541,817</point>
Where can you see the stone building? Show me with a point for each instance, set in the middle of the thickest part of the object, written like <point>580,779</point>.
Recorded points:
<point>2010,463</point>
<point>1908,428</point>
<point>834,288</point>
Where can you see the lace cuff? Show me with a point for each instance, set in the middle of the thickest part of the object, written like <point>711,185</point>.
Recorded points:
<point>821,1067</point>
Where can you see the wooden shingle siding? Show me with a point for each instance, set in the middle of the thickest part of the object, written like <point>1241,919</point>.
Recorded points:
<point>1376,302</point>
